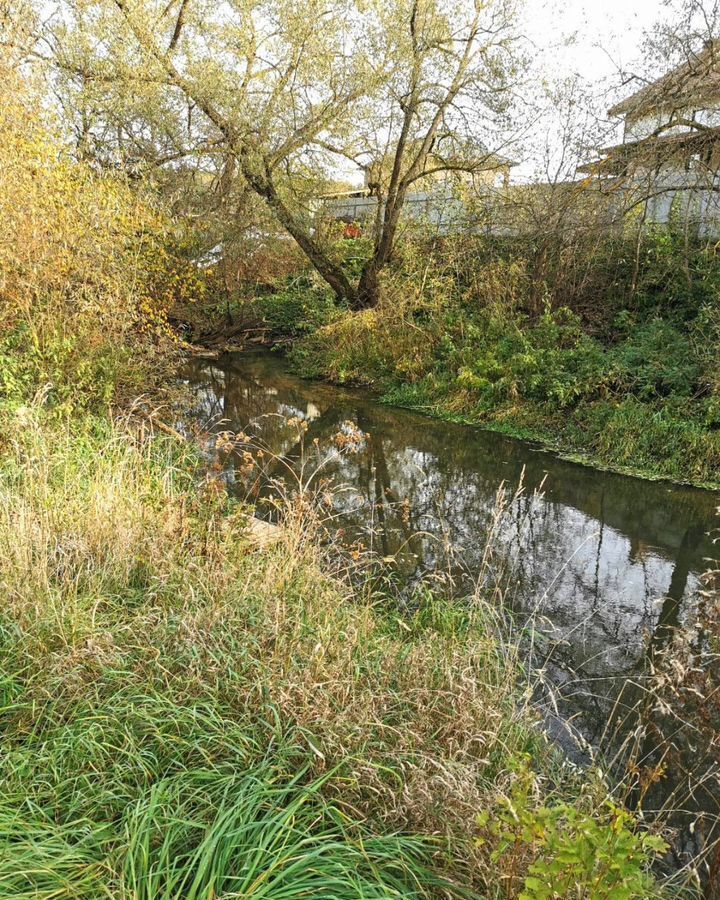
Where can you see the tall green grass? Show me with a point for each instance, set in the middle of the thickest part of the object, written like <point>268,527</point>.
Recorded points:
<point>638,406</point>
<point>213,833</point>
<point>186,714</point>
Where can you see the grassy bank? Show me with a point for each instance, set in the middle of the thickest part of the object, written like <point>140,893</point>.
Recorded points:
<point>630,406</point>
<point>187,714</point>
<point>542,382</point>
<point>623,379</point>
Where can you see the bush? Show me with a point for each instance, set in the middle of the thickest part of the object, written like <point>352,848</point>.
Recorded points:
<point>677,273</point>
<point>299,306</point>
<point>657,360</point>
<point>597,853</point>
<point>89,268</point>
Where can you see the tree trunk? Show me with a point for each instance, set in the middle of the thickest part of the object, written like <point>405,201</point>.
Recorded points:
<point>367,294</point>
<point>368,290</point>
<point>332,274</point>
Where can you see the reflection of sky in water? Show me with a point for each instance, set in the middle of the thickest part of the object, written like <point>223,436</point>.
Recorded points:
<point>596,554</point>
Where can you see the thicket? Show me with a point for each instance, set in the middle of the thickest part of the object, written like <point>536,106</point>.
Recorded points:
<point>89,266</point>
<point>627,374</point>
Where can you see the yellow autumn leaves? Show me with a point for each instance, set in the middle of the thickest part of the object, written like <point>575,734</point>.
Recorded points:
<point>88,266</point>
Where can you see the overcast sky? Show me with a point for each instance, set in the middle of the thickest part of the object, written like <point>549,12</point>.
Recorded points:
<point>594,39</point>
<point>616,24</point>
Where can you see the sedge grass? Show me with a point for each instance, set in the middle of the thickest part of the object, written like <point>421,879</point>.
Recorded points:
<point>186,714</point>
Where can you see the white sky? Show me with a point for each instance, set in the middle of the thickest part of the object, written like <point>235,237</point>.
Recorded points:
<point>593,39</point>
<point>617,24</point>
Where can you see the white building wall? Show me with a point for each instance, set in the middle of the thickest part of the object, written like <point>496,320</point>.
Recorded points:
<point>660,122</point>
<point>439,211</point>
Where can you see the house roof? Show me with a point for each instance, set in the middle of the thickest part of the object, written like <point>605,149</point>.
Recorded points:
<point>346,194</point>
<point>473,159</point>
<point>660,143</point>
<point>696,79</point>
<point>657,147</point>
<point>485,163</point>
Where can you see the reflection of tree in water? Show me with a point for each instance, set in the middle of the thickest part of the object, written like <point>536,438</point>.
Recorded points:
<point>669,762</point>
<point>610,562</point>
<point>595,552</point>
<point>375,478</point>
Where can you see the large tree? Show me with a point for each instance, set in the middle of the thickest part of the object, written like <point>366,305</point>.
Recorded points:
<point>268,93</point>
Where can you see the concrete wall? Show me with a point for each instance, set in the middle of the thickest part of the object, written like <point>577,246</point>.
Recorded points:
<point>439,212</point>
<point>673,195</point>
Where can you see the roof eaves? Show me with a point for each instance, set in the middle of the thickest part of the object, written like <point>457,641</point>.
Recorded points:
<point>652,93</point>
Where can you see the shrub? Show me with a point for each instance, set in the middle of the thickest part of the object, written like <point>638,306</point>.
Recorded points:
<point>677,273</point>
<point>299,306</point>
<point>551,361</point>
<point>593,852</point>
<point>656,360</point>
<point>89,267</point>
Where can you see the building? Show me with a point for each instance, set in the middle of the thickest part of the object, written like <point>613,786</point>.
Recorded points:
<point>442,199</point>
<point>668,162</point>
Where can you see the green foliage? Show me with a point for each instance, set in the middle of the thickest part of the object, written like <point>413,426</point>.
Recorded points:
<point>352,254</point>
<point>577,853</point>
<point>90,267</point>
<point>300,306</point>
<point>656,360</point>
<point>676,275</point>
<point>634,434</point>
<point>638,389</point>
<point>351,349</point>
<point>554,361</point>
<point>211,833</point>
<point>66,369</point>
<point>551,361</point>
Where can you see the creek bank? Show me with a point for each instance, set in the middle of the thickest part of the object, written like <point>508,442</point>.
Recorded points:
<point>557,433</point>
<point>142,617</point>
<point>550,443</point>
<point>607,566</point>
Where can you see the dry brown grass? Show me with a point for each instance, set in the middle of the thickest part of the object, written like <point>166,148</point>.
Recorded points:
<point>146,632</point>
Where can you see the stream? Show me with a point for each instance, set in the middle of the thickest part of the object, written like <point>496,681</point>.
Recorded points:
<point>606,565</point>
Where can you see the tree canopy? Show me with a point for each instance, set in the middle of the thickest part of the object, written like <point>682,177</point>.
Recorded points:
<point>272,98</point>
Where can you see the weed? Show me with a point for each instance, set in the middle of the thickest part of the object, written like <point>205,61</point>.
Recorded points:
<point>186,713</point>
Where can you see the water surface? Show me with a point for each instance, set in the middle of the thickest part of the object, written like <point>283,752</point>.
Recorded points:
<point>612,563</point>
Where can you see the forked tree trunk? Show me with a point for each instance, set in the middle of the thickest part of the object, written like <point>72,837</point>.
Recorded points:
<point>368,289</point>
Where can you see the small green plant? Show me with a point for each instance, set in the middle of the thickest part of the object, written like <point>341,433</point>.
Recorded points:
<point>574,853</point>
